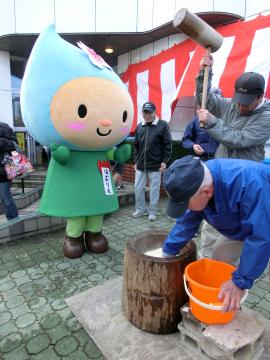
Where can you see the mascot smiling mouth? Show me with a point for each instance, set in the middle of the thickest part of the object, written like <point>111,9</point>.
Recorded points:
<point>102,134</point>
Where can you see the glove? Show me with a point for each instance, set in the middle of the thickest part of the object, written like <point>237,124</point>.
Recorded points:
<point>60,153</point>
<point>122,154</point>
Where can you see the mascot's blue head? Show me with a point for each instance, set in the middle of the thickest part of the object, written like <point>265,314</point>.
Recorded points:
<point>71,97</point>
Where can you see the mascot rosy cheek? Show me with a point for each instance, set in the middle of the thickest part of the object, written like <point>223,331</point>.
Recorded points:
<point>75,103</point>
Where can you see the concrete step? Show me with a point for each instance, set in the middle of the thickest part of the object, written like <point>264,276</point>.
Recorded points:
<point>27,182</point>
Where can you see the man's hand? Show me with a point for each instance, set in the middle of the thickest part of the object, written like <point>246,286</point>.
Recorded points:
<point>135,167</point>
<point>231,296</point>
<point>198,149</point>
<point>206,60</point>
<point>162,166</point>
<point>204,116</point>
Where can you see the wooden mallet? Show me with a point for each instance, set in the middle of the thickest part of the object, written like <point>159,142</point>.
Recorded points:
<point>203,34</point>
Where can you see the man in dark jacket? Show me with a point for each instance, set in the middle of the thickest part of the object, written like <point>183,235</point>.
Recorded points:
<point>152,151</point>
<point>198,142</point>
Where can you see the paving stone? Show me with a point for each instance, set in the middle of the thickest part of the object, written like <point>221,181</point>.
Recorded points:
<point>4,317</point>
<point>38,344</point>
<point>66,346</point>
<point>95,277</point>
<point>57,333</point>
<point>10,294</point>
<point>3,273</point>
<point>22,280</point>
<point>50,321</point>
<point>19,353</point>
<point>30,331</point>
<point>91,350</point>
<point>68,290</point>
<point>37,302</point>
<point>72,324</point>
<point>82,336</point>
<point>66,313</point>
<point>37,274</point>
<point>78,354</point>
<point>18,274</point>
<point>58,304</point>
<point>10,342</point>
<point>7,286</point>
<point>19,311</point>
<point>48,354</point>
<point>8,328</point>
<point>265,305</point>
<point>15,301</point>
<point>64,266</point>
<point>25,320</point>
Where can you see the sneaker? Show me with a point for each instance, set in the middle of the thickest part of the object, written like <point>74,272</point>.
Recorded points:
<point>137,214</point>
<point>152,217</point>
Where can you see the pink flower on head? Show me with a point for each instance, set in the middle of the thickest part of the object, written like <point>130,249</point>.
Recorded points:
<point>93,56</point>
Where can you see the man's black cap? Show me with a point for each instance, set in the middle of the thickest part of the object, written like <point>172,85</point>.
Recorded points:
<point>248,87</point>
<point>149,107</point>
<point>181,181</point>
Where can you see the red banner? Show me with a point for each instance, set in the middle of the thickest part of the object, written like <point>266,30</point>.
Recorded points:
<point>171,74</point>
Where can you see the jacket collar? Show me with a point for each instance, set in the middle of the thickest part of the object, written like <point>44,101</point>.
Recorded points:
<point>153,123</point>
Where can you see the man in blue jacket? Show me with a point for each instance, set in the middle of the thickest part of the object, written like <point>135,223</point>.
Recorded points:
<point>198,142</point>
<point>233,196</point>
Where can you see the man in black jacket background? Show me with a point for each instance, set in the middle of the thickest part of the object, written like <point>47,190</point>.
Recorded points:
<point>152,152</point>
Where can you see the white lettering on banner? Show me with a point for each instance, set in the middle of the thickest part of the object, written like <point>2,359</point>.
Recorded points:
<point>168,88</point>
<point>257,60</point>
<point>220,59</point>
<point>142,93</point>
<point>107,182</point>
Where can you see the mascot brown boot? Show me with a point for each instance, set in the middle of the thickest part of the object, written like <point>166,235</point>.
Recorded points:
<point>73,247</point>
<point>96,243</point>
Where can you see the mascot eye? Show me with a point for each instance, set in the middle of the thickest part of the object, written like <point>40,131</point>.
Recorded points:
<point>82,111</point>
<point>125,116</point>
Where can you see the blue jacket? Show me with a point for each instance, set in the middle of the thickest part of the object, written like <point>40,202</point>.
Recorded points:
<point>195,135</point>
<point>241,212</point>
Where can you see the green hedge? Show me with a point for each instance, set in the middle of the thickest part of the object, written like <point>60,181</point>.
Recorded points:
<point>177,151</point>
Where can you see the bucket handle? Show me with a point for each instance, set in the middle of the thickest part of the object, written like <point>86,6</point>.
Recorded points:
<point>204,305</point>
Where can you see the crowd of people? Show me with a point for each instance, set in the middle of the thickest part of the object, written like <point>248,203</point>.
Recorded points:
<point>222,184</point>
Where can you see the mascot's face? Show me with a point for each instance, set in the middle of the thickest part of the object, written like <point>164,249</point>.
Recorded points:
<point>92,112</point>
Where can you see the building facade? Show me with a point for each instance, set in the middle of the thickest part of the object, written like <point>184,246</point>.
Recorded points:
<point>124,32</point>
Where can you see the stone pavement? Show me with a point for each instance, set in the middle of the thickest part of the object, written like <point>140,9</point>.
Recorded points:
<point>35,278</point>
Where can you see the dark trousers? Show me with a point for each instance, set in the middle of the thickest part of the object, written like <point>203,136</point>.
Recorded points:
<point>10,207</point>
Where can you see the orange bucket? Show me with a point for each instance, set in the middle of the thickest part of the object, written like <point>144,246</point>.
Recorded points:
<point>204,279</point>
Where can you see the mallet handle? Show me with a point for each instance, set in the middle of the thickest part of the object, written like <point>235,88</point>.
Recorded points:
<point>205,86</point>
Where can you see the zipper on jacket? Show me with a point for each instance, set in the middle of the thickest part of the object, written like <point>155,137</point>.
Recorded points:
<point>145,147</point>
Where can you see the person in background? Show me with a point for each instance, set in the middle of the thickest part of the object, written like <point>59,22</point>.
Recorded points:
<point>197,140</point>
<point>117,169</point>
<point>152,152</point>
<point>10,208</point>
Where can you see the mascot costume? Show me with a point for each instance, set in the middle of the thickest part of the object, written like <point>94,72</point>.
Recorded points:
<point>75,103</point>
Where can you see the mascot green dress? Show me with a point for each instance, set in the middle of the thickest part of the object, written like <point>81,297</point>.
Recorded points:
<point>75,103</point>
